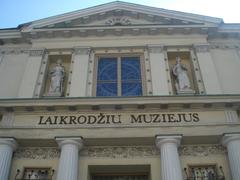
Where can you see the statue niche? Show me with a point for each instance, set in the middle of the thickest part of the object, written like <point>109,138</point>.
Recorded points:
<point>182,81</point>
<point>57,75</point>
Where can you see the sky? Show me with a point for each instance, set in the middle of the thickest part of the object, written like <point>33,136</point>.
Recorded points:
<point>16,12</point>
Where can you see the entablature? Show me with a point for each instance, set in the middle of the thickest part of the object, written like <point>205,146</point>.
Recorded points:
<point>183,102</point>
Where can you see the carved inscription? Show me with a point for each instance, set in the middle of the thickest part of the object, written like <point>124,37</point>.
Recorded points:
<point>102,118</point>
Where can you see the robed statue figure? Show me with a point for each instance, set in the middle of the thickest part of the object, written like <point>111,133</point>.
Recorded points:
<point>57,75</point>
<point>180,73</point>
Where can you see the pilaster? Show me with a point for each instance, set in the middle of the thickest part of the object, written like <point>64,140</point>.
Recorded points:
<point>31,73</point>
<point>79,62</point>
<point>158,70</point>
<point>207,68</point>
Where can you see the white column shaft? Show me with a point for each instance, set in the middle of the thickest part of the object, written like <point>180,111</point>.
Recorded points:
<point>171,169</point>
<point>170,162</point>
<point>68,163</point>
<point>232,143</point>
<point>5,160</point>
<point>7,146</point>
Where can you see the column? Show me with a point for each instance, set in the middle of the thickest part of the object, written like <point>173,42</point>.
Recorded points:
<point>80,62</point>
<point>208,70</point>
<point>232,142</point>
<point>7,146</point>
<point>68,162</point>
<point>170,163</point>
<point>158,70</point>
<point>31,73</point>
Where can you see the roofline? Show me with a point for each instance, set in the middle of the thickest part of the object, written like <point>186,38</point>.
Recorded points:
<point>120,4</point>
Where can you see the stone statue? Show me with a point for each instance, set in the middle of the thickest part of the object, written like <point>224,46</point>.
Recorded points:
<point>182,80</point>
<point>57,75</point>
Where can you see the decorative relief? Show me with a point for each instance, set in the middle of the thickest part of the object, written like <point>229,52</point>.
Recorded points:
<point>36,52</point>
<point>37,153</point>
<point>118,21</point>
<point>202,48</point>
<point>201,150</point>
<point>120,151</point>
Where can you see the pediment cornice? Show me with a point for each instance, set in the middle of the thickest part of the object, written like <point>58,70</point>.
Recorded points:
<point>119,10</point>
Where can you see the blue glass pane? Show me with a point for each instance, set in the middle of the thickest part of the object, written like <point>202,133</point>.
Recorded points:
<point>107,69</point>
<point>130,68</point>
<point>132,89</point>
<point>107,89</point>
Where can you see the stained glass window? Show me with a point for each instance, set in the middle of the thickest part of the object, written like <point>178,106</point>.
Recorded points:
<point>107,77</point>
<point>119,76</point>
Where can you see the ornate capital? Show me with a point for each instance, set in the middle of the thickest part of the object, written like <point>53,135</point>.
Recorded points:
<point>202,48</point>
<point>11,142</point>
<point>162,139</point>
<point>229,137</point>
<point>82,50</point>
<point>155,48</point>
<point>78,141</point>
<point>36,52</point>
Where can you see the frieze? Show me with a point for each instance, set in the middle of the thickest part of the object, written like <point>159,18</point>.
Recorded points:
<point>37,153</point>
<point>120,151</point>
<point>201,150</point>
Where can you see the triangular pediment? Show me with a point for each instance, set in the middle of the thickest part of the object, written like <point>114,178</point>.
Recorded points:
<point>122,14</point>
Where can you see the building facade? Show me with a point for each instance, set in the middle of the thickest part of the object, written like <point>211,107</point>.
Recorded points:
<point>120,91</point>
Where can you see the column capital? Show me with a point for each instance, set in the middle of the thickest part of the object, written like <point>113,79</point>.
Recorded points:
<point>78,141</point>
<point>162,139</point>
<point>9,142</point>
<point>82,50</point>
<point>36,52</point>
<point>202,48</point>
<point>155,48</point>
<point>228,137</point>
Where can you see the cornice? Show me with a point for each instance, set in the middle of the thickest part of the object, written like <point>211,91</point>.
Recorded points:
<point>161,102</point>
<point>118,5</point>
